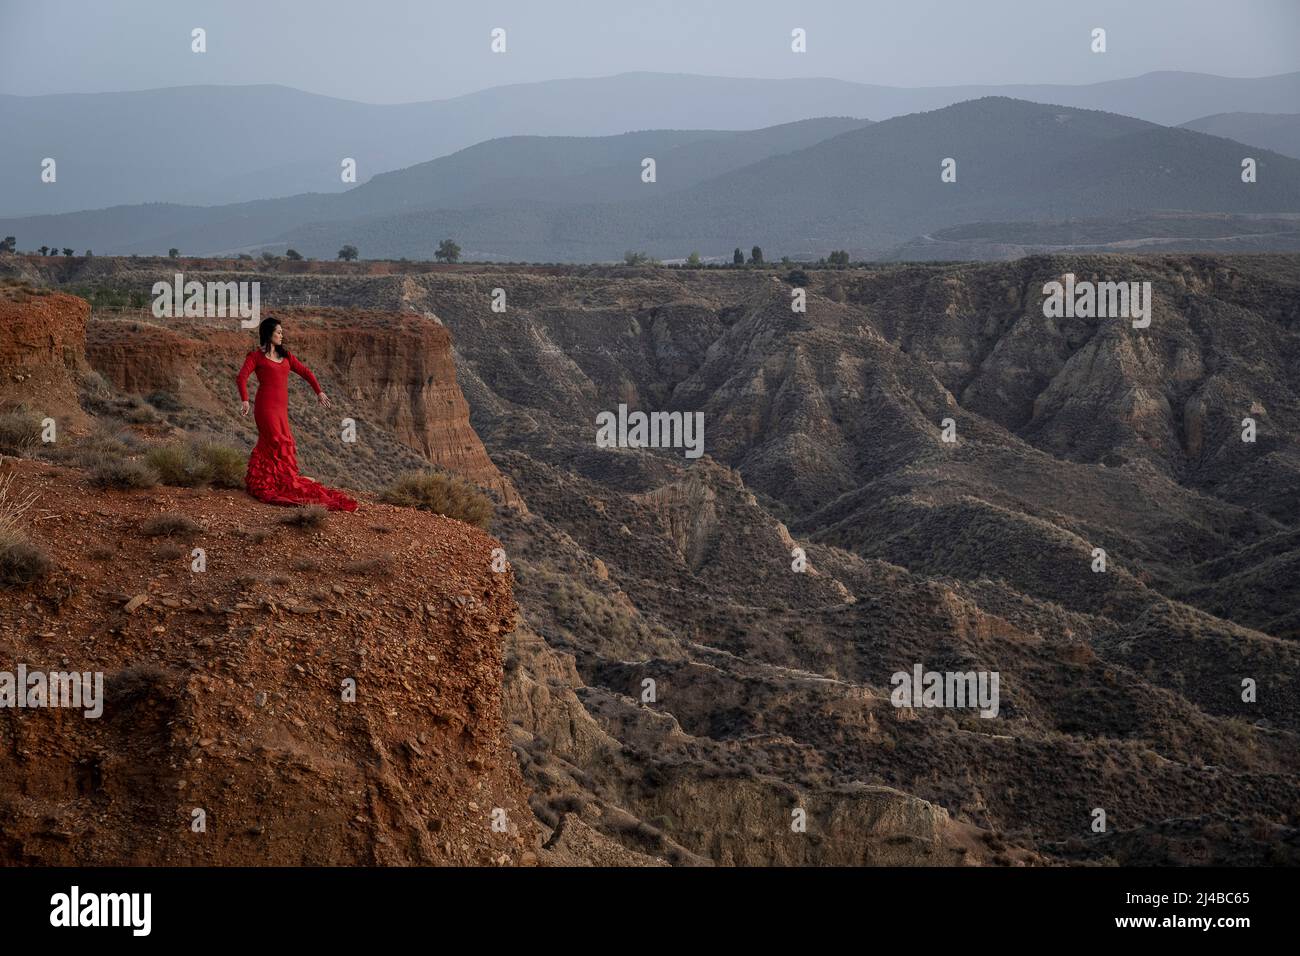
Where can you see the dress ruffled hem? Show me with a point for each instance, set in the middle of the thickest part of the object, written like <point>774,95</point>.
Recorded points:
<point>273,477</point>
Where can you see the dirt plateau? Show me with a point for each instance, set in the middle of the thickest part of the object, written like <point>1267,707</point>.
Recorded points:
<point>224,690</point>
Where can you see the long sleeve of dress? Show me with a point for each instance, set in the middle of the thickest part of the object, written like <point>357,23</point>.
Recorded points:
<point>247,370</point>
<point>305,372</point>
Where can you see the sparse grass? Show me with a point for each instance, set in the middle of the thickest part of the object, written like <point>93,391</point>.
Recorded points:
<point>170,551</point>
<point>137,412</point>
<point>122,473</point>
<point>20,290</point>
<point>21,562</point>
<point>94,383</point>
<point>163,401</point>
<point>308,516</point>
<point>20,431</point>
<point>442,494</point>
<point>86,453</point>
<point>170,524</point>
<point>305,563</point>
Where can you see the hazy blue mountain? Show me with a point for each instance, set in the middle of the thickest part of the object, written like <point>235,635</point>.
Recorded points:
<point>1279,132</point>
<point>204,145</point>
<point>510,170</point>
<point>570,169</point>
<point>867,190</point>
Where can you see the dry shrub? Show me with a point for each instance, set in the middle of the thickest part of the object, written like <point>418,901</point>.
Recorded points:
<point>21,562</point>
<point>88,452</point>
<point>110,471</point>
<point>442,494</point>
<point>20,432</point>
<point>371,565</point>
<point>163,400</point>
<point>308,516</point>
<point>254,535</point>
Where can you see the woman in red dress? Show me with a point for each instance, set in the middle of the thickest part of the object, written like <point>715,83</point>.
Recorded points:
<point>273,467</point>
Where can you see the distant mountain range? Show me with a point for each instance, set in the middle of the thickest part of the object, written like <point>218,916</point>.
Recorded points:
<point>1279,132</point>
<point>800,189</point>
<point>501,172</point>
<point>209,145</point>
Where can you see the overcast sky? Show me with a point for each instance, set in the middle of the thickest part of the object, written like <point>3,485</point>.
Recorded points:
<point>388,51</point>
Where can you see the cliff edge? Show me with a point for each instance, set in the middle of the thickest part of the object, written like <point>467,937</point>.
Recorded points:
<point>272,694</point>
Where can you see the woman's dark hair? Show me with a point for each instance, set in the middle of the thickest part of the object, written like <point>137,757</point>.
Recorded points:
<point>266,329</point>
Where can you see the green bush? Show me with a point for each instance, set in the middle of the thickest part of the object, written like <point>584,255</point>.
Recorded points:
<point>177,465</point>
<point>190,466</point>
<point>226,466</point>
<point>442,494</point>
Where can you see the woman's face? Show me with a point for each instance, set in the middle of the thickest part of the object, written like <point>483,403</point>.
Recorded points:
<point>277,336</point>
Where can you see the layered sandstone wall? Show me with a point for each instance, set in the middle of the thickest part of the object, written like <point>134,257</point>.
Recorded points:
<point>41,350</point>
<point>397,368</point>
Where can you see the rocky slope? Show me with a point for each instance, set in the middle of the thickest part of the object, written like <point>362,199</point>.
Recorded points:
<point>1072,435</point>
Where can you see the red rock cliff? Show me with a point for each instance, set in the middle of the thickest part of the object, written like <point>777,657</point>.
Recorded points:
<point>42,350</point>
<point>398,367</point>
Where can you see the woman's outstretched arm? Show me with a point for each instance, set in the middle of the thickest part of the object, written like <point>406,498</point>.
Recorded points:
<point>249,364</point>
<point>305,372</point>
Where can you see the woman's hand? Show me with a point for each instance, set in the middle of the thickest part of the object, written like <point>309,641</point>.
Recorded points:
<point>323,399</point>
<point>243,409</point>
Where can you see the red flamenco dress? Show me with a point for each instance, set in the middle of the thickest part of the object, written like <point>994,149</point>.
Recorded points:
<point>273,467</point>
